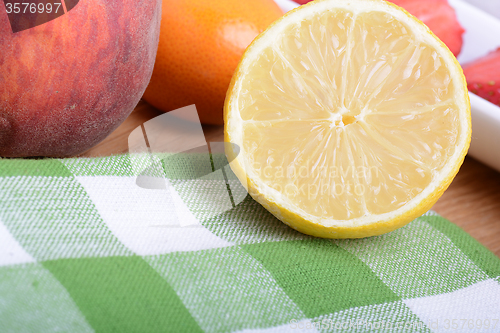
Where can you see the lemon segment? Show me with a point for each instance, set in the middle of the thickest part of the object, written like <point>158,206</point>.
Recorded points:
<point>351,116</point>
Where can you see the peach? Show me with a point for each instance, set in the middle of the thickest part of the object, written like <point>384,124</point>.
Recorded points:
<point>66,84</point>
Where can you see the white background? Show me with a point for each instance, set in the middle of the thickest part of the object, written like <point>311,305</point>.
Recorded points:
<point>490,6</point>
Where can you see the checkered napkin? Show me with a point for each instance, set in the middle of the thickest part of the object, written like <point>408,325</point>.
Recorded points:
<point>84,247</point>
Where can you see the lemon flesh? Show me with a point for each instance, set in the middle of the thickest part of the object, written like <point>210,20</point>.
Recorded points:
<point>352,118</point>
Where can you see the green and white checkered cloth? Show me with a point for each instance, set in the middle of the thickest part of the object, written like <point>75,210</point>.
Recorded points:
<point>83,248</point>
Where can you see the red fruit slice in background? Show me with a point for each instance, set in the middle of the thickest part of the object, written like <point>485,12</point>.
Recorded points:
<point>483,76</point>
<point>438,15</point>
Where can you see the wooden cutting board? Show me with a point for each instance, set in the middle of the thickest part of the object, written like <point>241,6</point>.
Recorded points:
<point>472,201</point>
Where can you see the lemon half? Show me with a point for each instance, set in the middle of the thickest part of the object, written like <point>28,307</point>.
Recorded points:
<point>352,118</point>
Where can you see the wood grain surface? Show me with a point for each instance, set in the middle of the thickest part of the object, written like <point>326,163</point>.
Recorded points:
<point>472,201</point>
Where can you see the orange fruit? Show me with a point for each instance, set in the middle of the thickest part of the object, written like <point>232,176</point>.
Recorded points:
<point>201,43</point>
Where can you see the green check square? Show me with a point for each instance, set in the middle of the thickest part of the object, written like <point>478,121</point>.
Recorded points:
<point>321,277</point>
<point>122,294</point>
